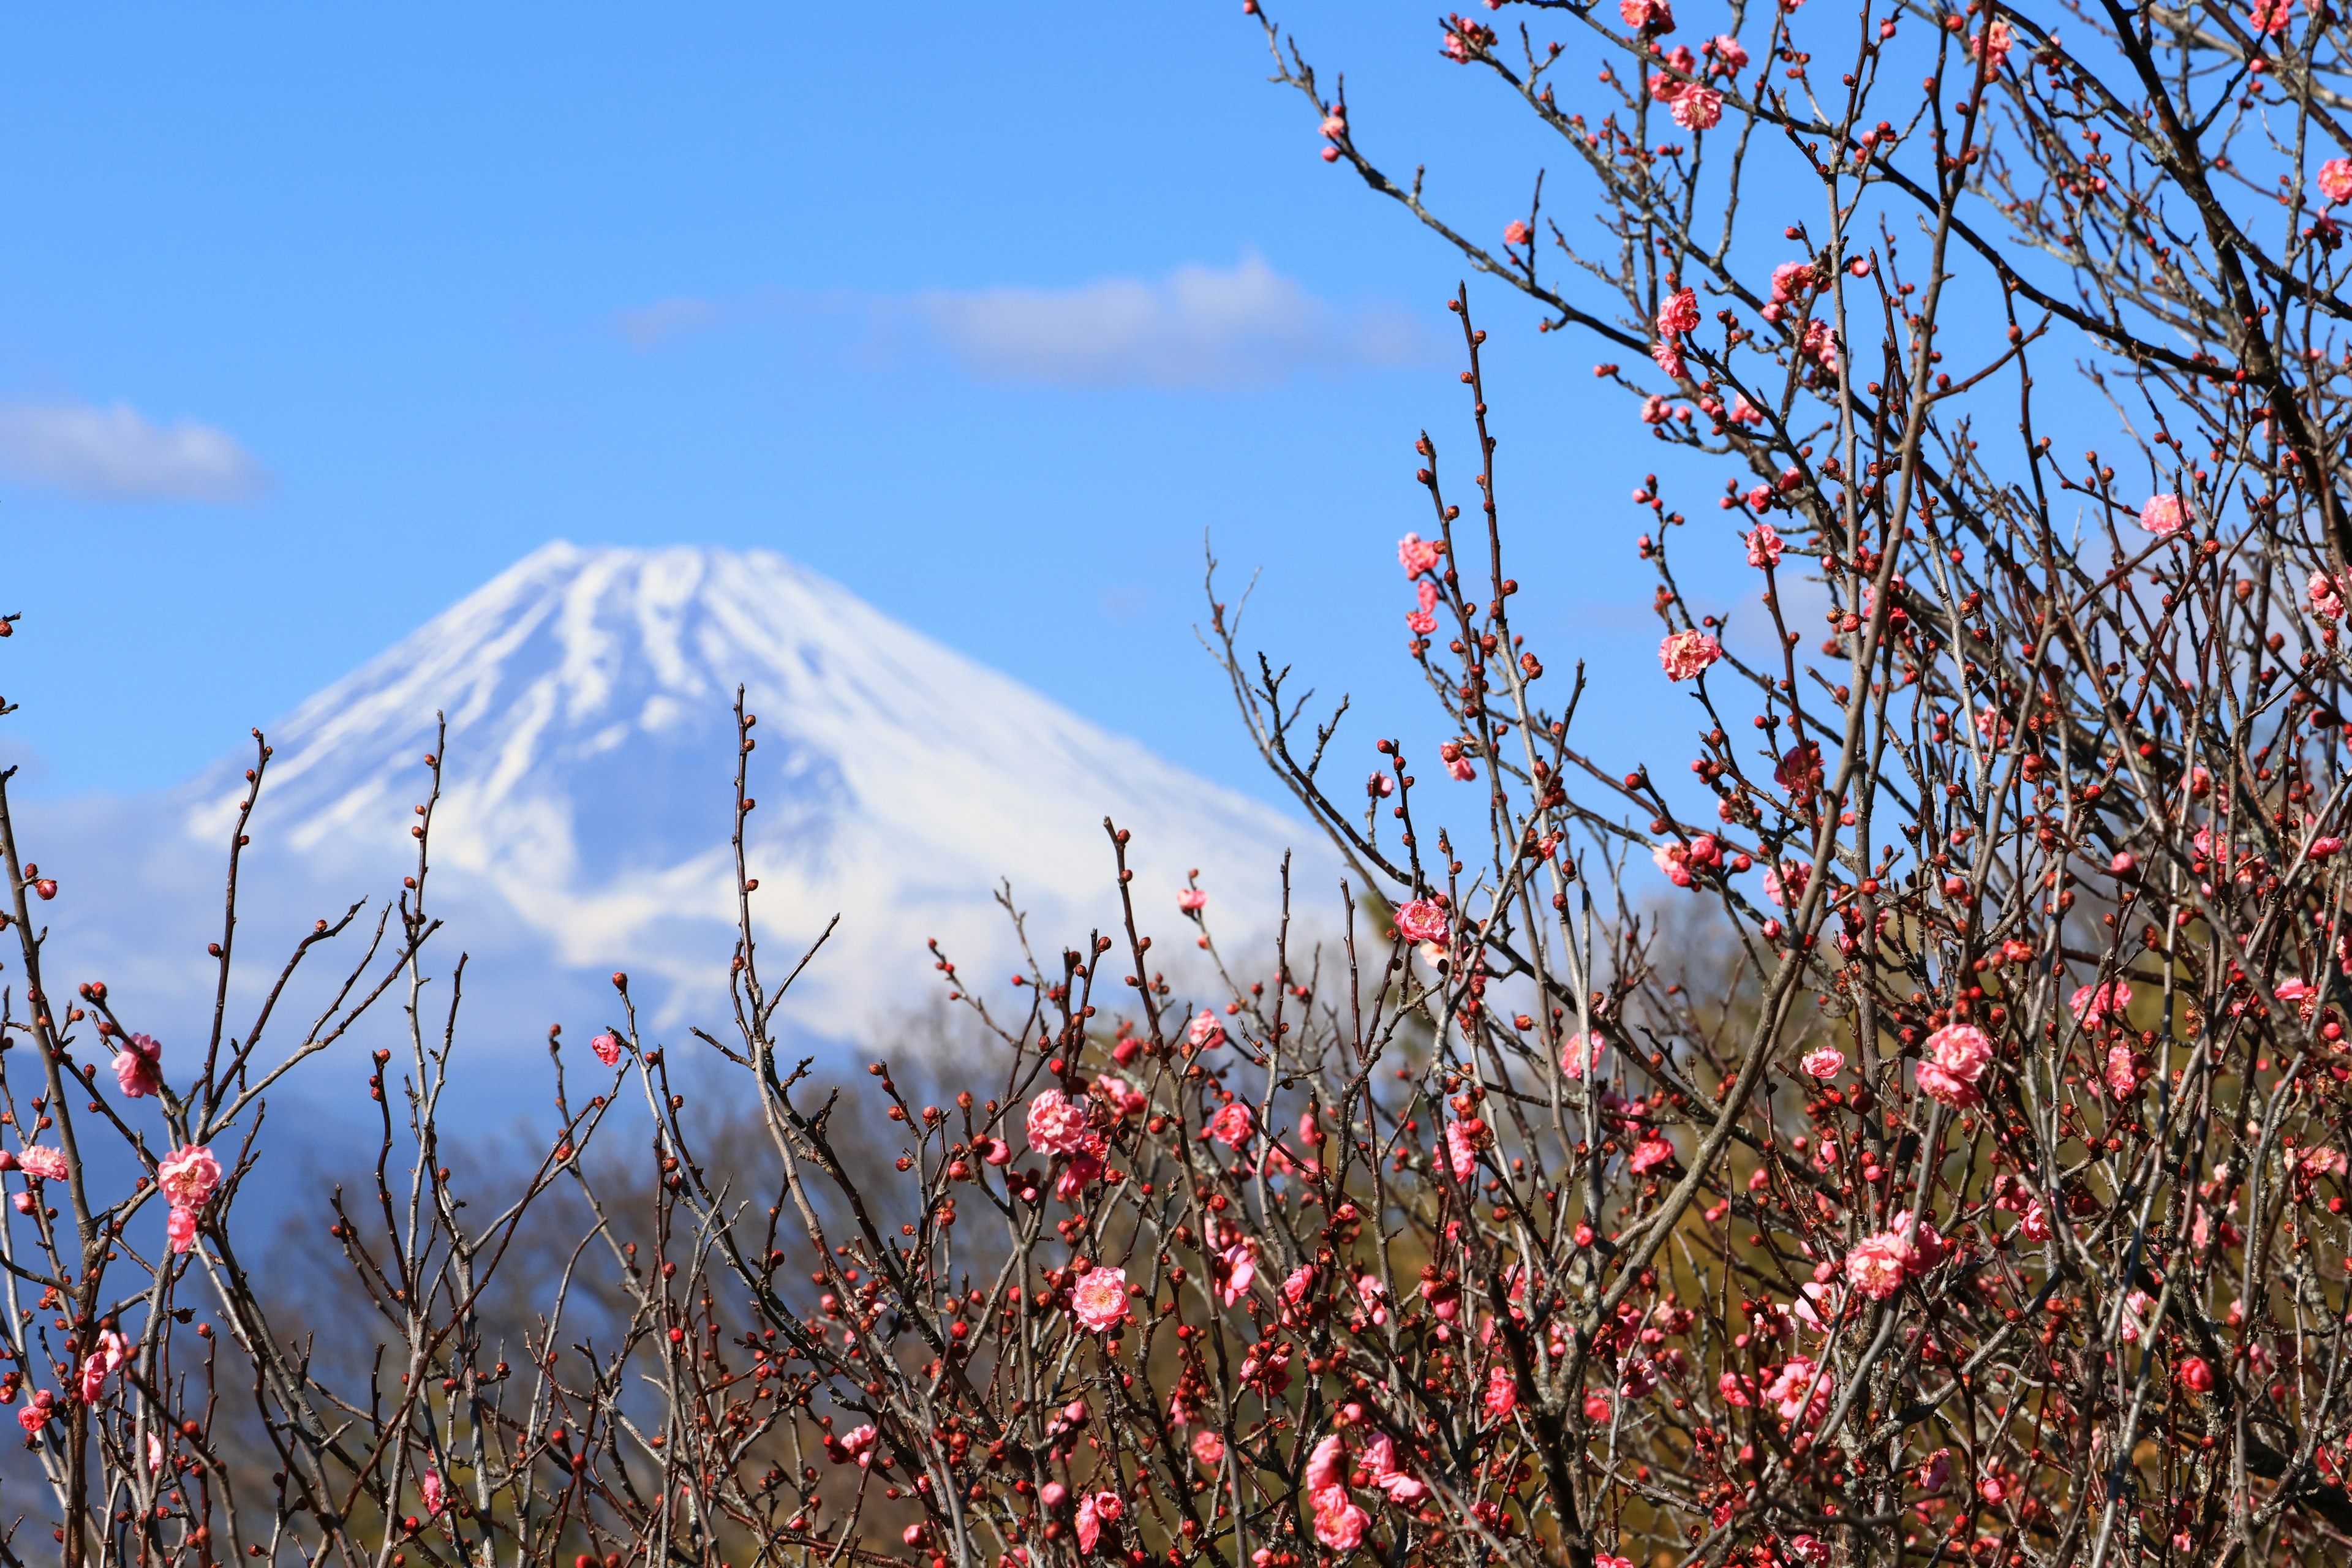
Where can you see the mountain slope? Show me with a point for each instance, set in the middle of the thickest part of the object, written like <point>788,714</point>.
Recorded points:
<point>586,796</point>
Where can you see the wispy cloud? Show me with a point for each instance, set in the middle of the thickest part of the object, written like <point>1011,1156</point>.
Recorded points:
<point>118,454</point>
<point>1200,327</point>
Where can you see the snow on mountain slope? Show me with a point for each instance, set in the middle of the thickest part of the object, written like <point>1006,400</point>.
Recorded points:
<point>587,789</point>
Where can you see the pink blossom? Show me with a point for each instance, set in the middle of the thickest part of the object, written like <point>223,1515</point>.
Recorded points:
<point>1081,1172</point>
<point>1745,413</point>
<point>860,1442</point>
<point>1418,555</point>
<point>1927,1243</point>
<point>1785,884</point>
<point>1339,1524</point>
<point>1936,1473</point>
<point>1517,233</point>
<point>2325,1162</point>
<point>2093,1005</point>
<point>1381,1466</point>
<point>110,1352</point>
<point>1810,1549</point>
<point>1877,1266</point>
<point>1685,653</point>
<point>1799,772</point>
<point>180,1227</point>
<point>2134,1317</point>
<point>1679,314</point>
<point>138,1066</point>
<point>1233,1125</point>
<point>1056,1125</point>
<point>1993,43</point>
<point>1728,50</point>
<point>1958,1057</point>
<point>1502,1393</point>
<point>188,1175</point>
<point>1697,107</point>
<point>1206,1031</point>
<point>1656,410</point>
<point>1820,344</point>
<point>1791,278</point>
<point>1574,1062</point>
<point>2272,17</point>
<point>1191,900</point>
<point>1422,920</point>
<point>607,1047</point>
<point>42,1162</point>
<point>1208,1449</point>
<point>2163,514</point>
<point>1827,1062</point>
<point>2335,181</point>
<point>431,1488</point>
<point>1647,15</point>
<point>2034,1222</point>
<point>2196,1375</point>
<point>1302,1280</point>
<point>1240,1270</point>
<point>1668,357</point>
<point>36,1414</point>
<point>1099,1299</point>
<point>1094,1512</point>
<point>1651,1153</point>
<point>1466,40</point>
<point>1796,1393</point>
<point>1764,545</point>
<point>2123,1072</point>
<point>2326,602</point>
<point>1461,1150</point>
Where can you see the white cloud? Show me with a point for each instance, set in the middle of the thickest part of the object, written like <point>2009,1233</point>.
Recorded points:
<point>118,454</point>
<point>1246,325</point>
<point>1199,328</point>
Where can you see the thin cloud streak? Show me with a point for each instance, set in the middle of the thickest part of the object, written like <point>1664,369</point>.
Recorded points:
<point>1198,329</point>
<point>118,454</point>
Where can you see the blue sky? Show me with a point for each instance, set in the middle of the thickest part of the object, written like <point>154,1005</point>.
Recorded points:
<point>313,320</point>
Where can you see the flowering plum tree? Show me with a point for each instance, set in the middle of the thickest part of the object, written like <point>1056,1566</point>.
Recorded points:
<point>1941,1156</point>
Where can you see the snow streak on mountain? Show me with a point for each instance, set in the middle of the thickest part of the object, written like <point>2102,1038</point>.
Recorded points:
<point>587,792</point>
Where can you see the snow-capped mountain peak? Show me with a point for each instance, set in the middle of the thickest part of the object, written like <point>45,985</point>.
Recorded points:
<point>587,788</point>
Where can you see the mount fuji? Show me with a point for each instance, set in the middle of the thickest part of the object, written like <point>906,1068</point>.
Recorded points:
<point>584,820</point>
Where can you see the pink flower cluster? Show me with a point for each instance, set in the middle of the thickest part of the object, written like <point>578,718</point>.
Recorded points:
<point>1684,655</point>
<point>2093,1005</point>
<point>1422,920</point>
<point>187,1176</point>
<point>2163,515</point>
<point>1792,281</point>
<point>1878,1266</point>
<point>1684,863</point>
<point>1099,1299</point>
<point>1958,1055</point>
<point>138,1066</point>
